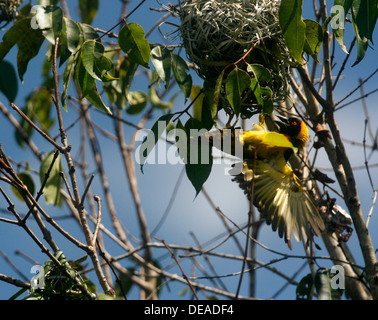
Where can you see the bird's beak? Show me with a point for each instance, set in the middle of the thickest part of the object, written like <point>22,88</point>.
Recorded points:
<point>283,124</point>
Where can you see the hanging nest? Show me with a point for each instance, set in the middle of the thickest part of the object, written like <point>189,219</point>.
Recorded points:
<point>217,33</point>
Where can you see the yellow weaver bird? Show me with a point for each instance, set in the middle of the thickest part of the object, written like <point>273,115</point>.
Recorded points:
<point>278,192</point>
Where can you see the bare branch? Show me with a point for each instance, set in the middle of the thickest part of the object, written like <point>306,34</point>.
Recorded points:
<point>179,265</point>
<point>95,233</point>
<point>43,134</point>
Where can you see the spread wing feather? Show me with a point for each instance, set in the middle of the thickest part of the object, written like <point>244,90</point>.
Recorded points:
<point>283,201</point>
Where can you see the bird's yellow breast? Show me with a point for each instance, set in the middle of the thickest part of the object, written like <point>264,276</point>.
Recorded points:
<point>266,144</point>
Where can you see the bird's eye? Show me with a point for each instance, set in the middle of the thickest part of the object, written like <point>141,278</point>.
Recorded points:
<point>294,123</point>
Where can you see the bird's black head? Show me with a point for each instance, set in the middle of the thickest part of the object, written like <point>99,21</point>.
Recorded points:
<point>295,130</point>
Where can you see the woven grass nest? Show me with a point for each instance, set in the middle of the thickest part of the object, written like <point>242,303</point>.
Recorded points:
<point>217,33</point>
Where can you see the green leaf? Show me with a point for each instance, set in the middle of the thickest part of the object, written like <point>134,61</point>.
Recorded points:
<point>161,60</point>
<point>28,48</point>
<point>237,81</point>
<point>50,20</point>
<point>93,96</point>
<point>128,76</point>
<point>181,139</point>
<point>124,284</point>
<point>18,293</point>
<point>292,26</point>
<point>118,89</point>
<point>114,94</point>
<point>212,92</point>
<point>29,41</point>
<point>152,138</point>
<point>181,73</point>
<point>338,20</point>
<point>207,118</point>
<point>365,13</point>
<point>266,92</point>
<point>261,73</point>
<point>132,41</point>
<point>305,288</point>
<point>8,80</point>
<point>28,181</point>
<point>88,87</point>
<point>322,284</point>
<point>90,51</point>
<point>157,102</point>
<point>199,156</point>
<point>76,263</point>
<point>70,35</point>
<point>40,103</point>
<point>314,38</point>
<point>203,110</point>
<point>197,96</point>
<point>69,40</point>
<point>256,89</point>
<point>83,78</point>
<point>15,34</point>
<point>362,44</point>
<point>87,32</point>
<point>66,79</point>
<point>263,96</point>
<point>268,106</point>
<point>54,182</point>
<point>102,67</point>
<point>88,10</point>
<point>137,100</point>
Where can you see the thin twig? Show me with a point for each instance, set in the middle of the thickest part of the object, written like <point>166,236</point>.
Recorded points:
<point>179,265</point>
<point>180,113</point>
<point>62,131</point>
<point>355,100</point>
<point>21,131</point>
<point>103,255</point>
<point>250,219</point>
<point>43,134</point>
<point>210,264</point>
<point>86,189</point>
<point>170,202</point>
<point>121,21</point>
<point>12,265</point>
<point>12,209</point>
<point>371,208</point>
<point>358,87</point>
<point>40,192</point>
<point>61,173</point>
<point>344,63</point>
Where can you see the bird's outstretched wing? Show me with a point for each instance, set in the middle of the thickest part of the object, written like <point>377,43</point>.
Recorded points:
<point>281,198</point>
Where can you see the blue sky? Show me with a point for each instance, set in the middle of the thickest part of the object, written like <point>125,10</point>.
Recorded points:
<point>188,214</point>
